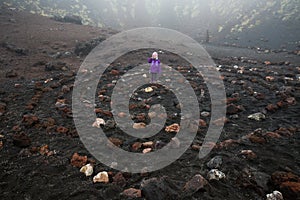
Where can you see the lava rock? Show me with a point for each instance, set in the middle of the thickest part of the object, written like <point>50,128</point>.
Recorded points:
<point>119,180</point>
<point>215,174</point>
<point>132,193</point>
<point>215,163</point>
<point>78,161</point>
<point>195,184</point>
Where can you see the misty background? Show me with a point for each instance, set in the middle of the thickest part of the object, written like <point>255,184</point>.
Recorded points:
<point>248,23</point>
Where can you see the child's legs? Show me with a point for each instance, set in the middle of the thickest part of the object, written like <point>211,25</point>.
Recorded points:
<point>153,77</point>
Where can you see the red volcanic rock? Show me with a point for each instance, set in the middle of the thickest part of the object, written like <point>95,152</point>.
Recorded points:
<point>232,100</point>
<point>227,143</point>
<point>62,129</point>
<point>30,119</point>
<point>78,161</point>
<point>136,146</point>
<point>132,193</point>
<point>117,142</point>
<point>272,135</point>
<point>195,184</point>
<point>114,72</point>
<point>103,112</point>
<point>291,101</point>
<point>202,123</point>
<point>288,183</point>
<point>119,180</point>
<point>290,190</point>
<point>271,108</point>
<point>257,139</point>
<point>280,177</point>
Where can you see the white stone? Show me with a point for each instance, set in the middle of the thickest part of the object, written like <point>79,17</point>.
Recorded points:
<point>87,170</point>
<point>215,174</point>
<point>101,177</point>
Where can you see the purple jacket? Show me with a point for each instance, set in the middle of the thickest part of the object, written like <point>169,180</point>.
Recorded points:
<point>155,65</point>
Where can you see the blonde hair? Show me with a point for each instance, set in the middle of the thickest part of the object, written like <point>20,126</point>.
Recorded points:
<point>155,55</point>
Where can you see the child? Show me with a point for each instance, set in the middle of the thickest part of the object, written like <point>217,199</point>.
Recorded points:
<point>155,69</point>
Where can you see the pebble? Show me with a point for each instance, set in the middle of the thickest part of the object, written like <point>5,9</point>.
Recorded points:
<point>249,154</point>
<point>148,144</point>
<point>148,89</point>
<point>30,119</point>
<point>117,142</point>
<point>138,126</point>
<point>132,193</point>
<point>257,116</point>
<point>98,123</point>
<point>78,161</point>
<point>147,150</point>
<point>215,163</point>
<point>215,174</point>
<point>196,183</point>
<point>101,177</point>
<point>205,114</point>
<point>136,146</point>
<point>174,128</point>
<point>87,170</point>
<point>110,124</point>
<point>62,129</point>
<point>276,195</point>
<point>119,179</point>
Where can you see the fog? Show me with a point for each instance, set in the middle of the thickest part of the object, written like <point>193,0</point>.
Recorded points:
<point>236,20</point>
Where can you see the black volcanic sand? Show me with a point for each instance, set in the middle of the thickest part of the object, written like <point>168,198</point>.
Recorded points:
<point>32,119</point>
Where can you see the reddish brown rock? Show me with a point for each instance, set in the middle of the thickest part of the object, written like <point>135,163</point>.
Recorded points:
<point>1,145</point>
<point>288,183</point>
<point>280,177</point>
<point>202,123</point>
<point>273,135</point>
<point>136,146</point>
<point>78,161</point>
<point>114,72</point>
<point>30,119</point>
<point>271,108</point>
<point>291,101</point>
<point>103,112</point>
<point>285,132</point>
<point>16,128</point>
<point>132,193</point>
<point>232,100</point>
<point>117,142</point>
<point>62,129</point>
<point>290,190</point>
<point>196,183</point>
<point>21,140</point>
<point>257,139</point>
<point>119,180</point>
<point>227,143</point>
